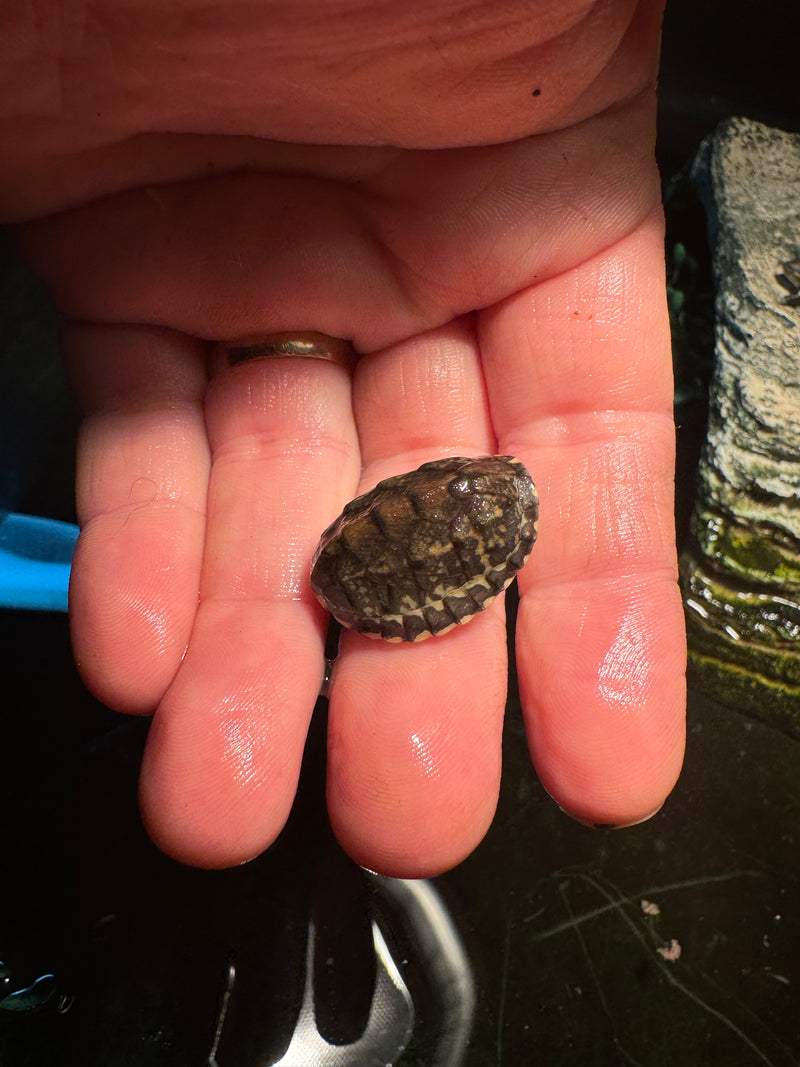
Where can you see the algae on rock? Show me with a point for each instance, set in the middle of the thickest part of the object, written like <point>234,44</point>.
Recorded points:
<point>741,570</point>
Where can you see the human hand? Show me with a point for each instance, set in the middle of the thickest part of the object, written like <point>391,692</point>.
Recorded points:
<point>496,258</point>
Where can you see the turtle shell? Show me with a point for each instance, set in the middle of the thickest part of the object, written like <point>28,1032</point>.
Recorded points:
<point>426,551</point>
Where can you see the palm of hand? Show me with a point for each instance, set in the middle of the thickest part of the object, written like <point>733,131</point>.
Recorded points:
<point>503,299</point>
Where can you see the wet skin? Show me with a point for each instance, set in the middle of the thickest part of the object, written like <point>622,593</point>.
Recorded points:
<point>468,192</point>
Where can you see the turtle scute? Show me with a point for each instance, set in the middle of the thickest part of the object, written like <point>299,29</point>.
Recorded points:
<point>427,550</point>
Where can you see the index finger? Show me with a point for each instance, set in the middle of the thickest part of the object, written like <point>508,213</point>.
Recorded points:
<point>578,371</point>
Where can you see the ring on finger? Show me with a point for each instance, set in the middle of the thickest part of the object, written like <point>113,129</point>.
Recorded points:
<point>307,344</point>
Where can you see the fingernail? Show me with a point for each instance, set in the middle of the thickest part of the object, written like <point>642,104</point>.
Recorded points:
<point>612,825</point>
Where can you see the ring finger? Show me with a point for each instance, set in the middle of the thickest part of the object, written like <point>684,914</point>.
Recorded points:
<point>224,751</point>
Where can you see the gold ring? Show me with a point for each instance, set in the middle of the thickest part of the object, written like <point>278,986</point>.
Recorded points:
<point>307,344</point>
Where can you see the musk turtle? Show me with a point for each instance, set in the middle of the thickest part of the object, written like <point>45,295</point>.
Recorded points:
<point>426,551</point>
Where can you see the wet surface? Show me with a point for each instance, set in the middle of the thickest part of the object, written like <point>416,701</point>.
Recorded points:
<point>674,942</point>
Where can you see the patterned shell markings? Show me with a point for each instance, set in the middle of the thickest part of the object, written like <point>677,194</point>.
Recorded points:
<point>426,551</point>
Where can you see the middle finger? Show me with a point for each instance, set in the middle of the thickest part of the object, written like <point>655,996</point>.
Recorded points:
<point>414,729</point>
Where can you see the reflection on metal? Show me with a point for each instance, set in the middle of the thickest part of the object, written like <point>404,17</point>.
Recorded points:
<point>439,952</point>
<point>438,972</point>
<point>388,1029</point>
<point>222,1011</point>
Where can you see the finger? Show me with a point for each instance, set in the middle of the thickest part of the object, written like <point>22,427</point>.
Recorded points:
<point>415,729</point>
<point>224,751</point>
<point>579,375</point>
<point>142,475</point>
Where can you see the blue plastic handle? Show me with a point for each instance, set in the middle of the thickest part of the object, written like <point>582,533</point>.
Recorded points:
<point>35,559</point>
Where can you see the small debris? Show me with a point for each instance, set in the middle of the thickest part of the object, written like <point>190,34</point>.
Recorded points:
<point>649,908</point>
<point>671,951</point>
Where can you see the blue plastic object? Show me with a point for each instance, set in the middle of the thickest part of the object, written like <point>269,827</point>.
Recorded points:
<point>35,559</point>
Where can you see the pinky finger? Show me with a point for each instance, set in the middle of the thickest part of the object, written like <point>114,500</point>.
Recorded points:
<point>142,477</point>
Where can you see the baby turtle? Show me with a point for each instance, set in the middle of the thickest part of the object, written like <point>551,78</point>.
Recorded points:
<point>425,551</point>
